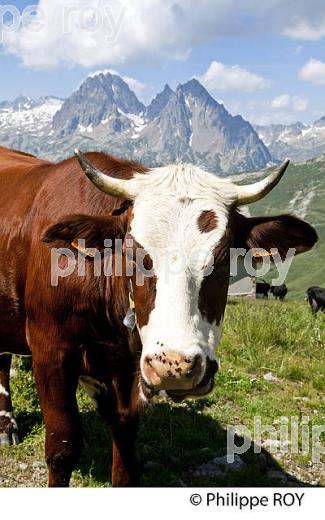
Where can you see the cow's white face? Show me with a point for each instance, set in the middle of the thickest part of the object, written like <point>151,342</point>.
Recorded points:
<point>181,217</point>
<point>179,220</point>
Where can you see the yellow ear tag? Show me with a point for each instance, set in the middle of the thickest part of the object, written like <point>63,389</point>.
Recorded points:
<point>261,255</point>
<point>86,251</point>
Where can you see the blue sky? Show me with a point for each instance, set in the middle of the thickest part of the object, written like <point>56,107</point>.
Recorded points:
<point>264,62</point>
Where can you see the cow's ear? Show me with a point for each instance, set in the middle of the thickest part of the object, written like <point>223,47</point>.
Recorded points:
<point>93,230</point>
<point>281,232</point>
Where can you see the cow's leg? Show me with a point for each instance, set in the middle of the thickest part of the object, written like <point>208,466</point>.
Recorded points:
<point>8,425</point>
<point>313,305</point>
<point>118,408</point>
<point>124,466</point>
<point>125,423</point>
<point>56,377</point>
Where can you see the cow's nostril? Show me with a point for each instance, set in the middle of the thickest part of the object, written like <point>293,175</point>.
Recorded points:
<point>150,370</point>
<point>195,367</point>
<point>171,369</point>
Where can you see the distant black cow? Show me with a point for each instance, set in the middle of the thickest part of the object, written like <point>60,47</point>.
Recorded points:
<point>316,298</point>
<point>262,289</point>
<point>279,291</point>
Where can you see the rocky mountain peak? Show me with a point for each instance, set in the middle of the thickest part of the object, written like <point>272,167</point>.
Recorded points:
<point>99,98</point>
<point>20,103</point>
<point>320,122</point>
<point>195,88</point>
<point>159,102</point>
<point>186,124</point>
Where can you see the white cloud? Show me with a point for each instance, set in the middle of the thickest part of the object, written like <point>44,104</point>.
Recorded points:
<point>289,103</point>
<point>313,71</point>
<point>305,30</point>
<point>136,85</point>
<point>280,102</point>
<point>120,32</point>
<point>231,77</point>
<point>284,109</point>
<point>299,104</point>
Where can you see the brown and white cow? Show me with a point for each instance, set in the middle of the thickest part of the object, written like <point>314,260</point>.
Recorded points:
<point>178,217</point>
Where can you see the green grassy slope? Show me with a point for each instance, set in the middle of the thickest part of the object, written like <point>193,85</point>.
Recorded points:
<point>175,439</point>
<point>304,186</point>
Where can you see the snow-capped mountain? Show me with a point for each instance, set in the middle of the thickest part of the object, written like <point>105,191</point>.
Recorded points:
<point>298,141</point>
<point>185,124</point>
<point>104,99</point>
<point>25,122</point>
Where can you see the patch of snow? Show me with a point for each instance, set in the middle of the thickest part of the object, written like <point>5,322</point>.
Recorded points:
<point>303,135</point>
<point>85,129</point>
<point>138,122</point>
<point>34,119</point>
<point>136,119</point>
<point>263,138</point>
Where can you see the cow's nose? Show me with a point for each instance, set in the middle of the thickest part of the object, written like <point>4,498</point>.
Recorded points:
<point>170,370</point>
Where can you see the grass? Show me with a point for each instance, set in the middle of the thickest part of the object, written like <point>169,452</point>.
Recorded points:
<point>259,337</point>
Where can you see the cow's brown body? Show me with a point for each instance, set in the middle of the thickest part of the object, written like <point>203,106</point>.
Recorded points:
<point>75,330</point>
<point>71,330</point>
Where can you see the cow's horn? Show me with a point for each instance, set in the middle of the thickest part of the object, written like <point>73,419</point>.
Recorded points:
<point>258,190</point>
<point>110,185</point>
